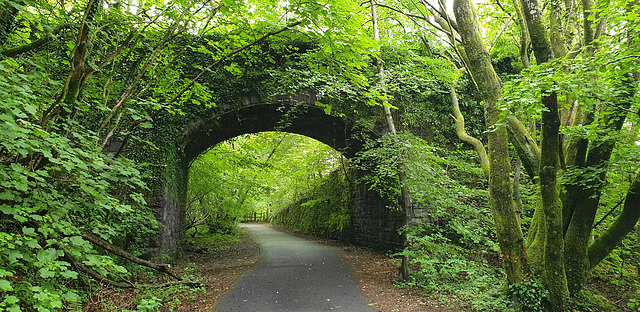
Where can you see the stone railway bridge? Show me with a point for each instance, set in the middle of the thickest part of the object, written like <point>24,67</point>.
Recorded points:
<point>373,224</point>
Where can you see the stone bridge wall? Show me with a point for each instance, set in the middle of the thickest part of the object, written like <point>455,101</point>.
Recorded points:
<point>373,223</point>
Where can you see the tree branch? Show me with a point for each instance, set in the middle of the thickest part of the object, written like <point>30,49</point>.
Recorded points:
<point>502,30</point>
<point>91,272</point>
<point>98,277</point>
<point>112,56</point>
<point>164,268</point>
<point>232,53</point>
<point>603,245</point>
<point>462,134</point>
<point>420,18</point>
<point>442,14</point>
<point>528,150</point>
<point>35,44</point>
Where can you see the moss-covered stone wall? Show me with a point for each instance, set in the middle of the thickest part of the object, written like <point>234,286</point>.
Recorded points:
<point>344,210</point>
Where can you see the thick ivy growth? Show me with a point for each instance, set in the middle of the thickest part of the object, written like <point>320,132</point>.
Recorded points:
<point>324,211</point>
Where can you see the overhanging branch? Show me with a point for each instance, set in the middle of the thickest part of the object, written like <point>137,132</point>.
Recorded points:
<point>232,53</point>
<point>35,44</point>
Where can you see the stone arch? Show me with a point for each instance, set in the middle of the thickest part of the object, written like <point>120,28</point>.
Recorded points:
<point>374,224</point>
<point>342,134</point>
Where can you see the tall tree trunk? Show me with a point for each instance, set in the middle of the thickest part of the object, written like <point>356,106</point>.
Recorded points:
<point>553,259</point>
<point>553,249</point>
<point>508,228</point>
<point>558,46</point>
<point>406,200</point>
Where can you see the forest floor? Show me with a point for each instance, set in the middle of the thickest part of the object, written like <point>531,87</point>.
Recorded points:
<point>219,266</point>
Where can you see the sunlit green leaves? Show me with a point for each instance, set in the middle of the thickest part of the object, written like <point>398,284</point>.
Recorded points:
<point>256,172</point>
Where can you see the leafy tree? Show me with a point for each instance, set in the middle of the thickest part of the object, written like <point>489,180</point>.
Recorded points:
<point>560,236</point>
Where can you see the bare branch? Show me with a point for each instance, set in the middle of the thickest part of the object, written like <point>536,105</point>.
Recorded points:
<point>156,266</point>
<point>112,56</point>
<point>419,17</point>
<point>502,30</point>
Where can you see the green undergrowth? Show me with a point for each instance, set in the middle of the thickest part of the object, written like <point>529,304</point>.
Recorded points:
<point>323,212</point>
<point>453,249</point>
<point>205,244</point>
<point>207,240</point>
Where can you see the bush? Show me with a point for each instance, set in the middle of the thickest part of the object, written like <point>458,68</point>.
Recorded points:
<point>56,185</point>
<point>529,296</point>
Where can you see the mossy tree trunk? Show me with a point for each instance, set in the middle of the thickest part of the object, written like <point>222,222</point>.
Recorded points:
<point>508,228</point>
<point>66,104</point>
<point>553,249</point>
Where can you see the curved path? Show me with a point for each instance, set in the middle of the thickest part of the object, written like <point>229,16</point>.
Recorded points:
<point>294,275</point>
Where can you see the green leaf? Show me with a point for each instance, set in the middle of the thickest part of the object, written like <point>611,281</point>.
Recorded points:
<point>46,273</point>
<point>4,273</point>
<point>5,285</point>
<point>71,296</point>
<point>29,231</point>
<point>6,209</point>
<point>48,255</point>
<point>69,274</point>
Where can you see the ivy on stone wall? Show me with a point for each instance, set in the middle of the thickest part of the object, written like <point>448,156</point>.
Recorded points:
<point>325,211</point>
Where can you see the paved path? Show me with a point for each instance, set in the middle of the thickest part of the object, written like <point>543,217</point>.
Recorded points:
<point>294,275</point>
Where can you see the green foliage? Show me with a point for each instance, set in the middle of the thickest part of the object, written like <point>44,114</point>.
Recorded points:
<point>528,296</point>
<point>164,299</point>
<point>453,250</point>
<point>635,303</point>
<point>323,211</point>
<point>55,187</point>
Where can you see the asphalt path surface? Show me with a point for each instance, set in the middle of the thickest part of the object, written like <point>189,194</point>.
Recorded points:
<point>294,274</point>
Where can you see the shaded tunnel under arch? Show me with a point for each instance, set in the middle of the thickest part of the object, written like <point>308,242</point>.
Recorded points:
<point>373,224</point>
